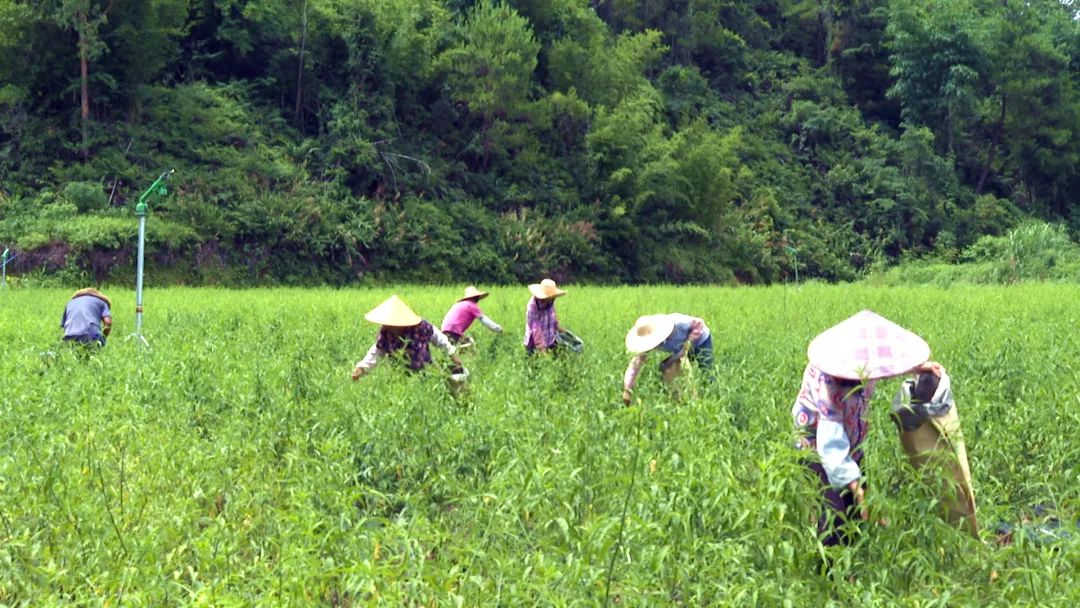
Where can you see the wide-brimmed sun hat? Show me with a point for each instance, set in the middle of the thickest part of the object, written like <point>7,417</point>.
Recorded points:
<point>648,333</point>
<point>867,346</point>
<point>546,289</point>
<point>90,291</point>
<point>393,312</point>
<point>472,292</point>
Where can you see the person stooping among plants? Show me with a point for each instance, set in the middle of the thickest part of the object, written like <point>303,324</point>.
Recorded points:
<point>929,425</point>
<point>87,318</point>
<point>542,329</point>
<point>462,314</point>
<point>830,412</point>
<point>680,336</point>
<point>404,332</point>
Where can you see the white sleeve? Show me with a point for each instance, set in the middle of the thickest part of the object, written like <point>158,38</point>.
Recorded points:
<point>834,447</point>
<point>371,359</point>
<point>492,325</point>
<point>439,339</point>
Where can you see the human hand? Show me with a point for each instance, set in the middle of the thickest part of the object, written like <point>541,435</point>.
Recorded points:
<point>932,367</point>
<point>626,396</point>
<point>357,372</point>
<point>860,499</point>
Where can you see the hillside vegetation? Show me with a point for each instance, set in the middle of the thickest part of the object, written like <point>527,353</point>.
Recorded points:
<point>329,141</point>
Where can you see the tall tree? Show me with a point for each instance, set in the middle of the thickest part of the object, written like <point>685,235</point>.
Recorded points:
<point>939,58</point>
<point>490,71</point>
<point>85,18</point>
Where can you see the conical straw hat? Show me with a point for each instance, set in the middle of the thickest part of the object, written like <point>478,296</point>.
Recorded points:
<point>546,289</point>
<point>867,346</point>
<point>90,291</point>
<point>472,292</point>
<point>393,312</point>
<point>648,333</point>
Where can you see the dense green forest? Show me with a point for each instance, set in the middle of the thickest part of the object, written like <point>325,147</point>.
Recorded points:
<point>328,141</point>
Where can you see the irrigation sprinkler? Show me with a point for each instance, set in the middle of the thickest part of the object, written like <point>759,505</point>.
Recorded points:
<point>141,210</point>
<point>6,258</point>
<point>795,257</point>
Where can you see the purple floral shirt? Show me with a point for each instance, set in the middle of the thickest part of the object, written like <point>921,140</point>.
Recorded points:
<point>415,342</point>
<point>541,325</point>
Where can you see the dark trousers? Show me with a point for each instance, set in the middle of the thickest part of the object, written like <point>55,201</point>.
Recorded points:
<point>553,349</point>
<point>702,354</point>
<point>86,340</point>
<point>838,507</point>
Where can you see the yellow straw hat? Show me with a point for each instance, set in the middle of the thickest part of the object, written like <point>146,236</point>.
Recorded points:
<point>649,332</point>
<point>472,292</point>
<point>546,289</point>
<point>393,312</point>
<point>90,291</point>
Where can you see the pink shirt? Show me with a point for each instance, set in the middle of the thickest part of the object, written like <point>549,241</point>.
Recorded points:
<point>461,316</point>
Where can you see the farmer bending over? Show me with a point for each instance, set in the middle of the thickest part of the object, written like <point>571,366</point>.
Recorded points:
<point>830,412</point>
<point>402,330</point>
<point>541,323</point>
<point>677,334</point>
<point>462,314</point>
<point>87,319</point>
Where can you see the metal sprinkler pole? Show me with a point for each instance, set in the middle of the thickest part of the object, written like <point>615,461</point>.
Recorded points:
<point>7,260</point>
<point>795,257</point>
<point>141,211</point>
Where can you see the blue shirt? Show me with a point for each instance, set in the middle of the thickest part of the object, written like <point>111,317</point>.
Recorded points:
<point>681,333</point>
<point>82,317</point>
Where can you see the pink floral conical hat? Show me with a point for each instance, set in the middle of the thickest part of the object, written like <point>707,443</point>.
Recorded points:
<point>867,346</point>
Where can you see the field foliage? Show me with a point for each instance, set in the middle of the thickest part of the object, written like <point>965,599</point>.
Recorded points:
<point>235,464</point>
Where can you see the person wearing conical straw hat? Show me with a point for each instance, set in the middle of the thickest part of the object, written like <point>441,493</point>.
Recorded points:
<point>926,417</point>
<point>541,323</point>
<point>676,334</point>
<point>462,314</point>
<point>845,363</point>
<point>402,330</point>
<point>87,317</point>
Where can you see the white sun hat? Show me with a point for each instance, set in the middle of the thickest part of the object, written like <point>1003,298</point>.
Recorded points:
<point>649,332</point>
<point>546,289</point>
<point>472,292</point>
<point>867,346</point>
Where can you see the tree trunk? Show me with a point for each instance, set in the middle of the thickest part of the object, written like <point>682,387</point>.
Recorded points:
<point>300,69</point>
<point>827,21</point>
<point>86,38</point>
<point>998,132</point>
<point>84,83</point>
<point>602,8</point>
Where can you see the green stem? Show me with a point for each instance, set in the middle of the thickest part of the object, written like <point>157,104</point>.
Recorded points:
<point>626,503</point>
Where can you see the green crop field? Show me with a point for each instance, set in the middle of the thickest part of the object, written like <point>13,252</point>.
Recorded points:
<point>235,464</point>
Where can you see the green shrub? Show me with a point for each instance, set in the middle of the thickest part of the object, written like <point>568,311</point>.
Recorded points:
<point>86,196</point>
